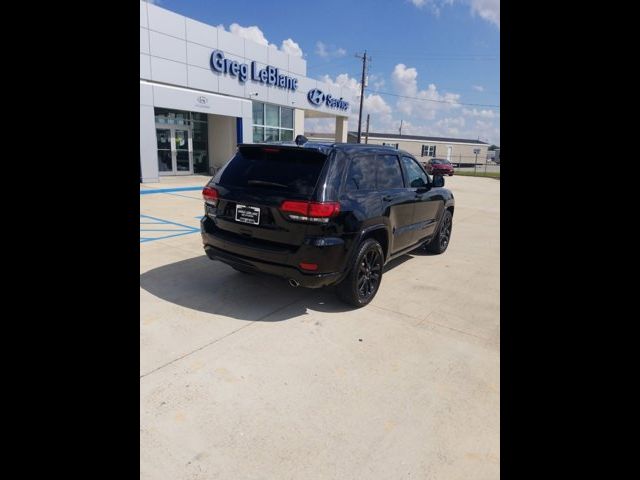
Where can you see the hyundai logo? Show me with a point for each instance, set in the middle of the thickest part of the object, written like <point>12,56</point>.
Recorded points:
<point>203,100</point>
<point>316,97</point>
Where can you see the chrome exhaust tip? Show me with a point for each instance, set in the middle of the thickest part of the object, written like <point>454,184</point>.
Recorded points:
<point>293,283</point>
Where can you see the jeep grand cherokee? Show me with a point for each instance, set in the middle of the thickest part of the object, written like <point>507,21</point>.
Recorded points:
<point>324,214</point>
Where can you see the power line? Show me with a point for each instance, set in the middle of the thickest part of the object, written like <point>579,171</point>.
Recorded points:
<point>437,101</point>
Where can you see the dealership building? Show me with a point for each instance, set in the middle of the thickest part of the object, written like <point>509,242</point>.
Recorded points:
<point>203,90</point>
<point>459,151</point>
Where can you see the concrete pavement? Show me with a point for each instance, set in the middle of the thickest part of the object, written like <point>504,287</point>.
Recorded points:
<point>243,376</point>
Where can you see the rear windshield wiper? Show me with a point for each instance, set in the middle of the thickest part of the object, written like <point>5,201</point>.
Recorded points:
<point>263,182</point>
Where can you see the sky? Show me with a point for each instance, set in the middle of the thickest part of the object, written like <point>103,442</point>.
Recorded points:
<point>442,50</point>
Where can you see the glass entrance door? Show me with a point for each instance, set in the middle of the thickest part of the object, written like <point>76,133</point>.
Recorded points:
<point>163,137</point>
<point>184,151</point>
<point>175,150</point>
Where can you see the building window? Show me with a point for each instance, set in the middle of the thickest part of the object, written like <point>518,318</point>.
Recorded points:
<point>428,151</point>
<point>272,123</point>
<point>394,145</point>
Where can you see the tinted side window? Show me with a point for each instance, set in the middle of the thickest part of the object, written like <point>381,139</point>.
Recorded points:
<point>389,174</point>
<point>362,173</point>
<point>414,175</point>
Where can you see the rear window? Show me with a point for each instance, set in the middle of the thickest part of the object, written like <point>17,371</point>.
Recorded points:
<point>272,168</point>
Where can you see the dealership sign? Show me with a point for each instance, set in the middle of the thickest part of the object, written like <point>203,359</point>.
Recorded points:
<point>268,75</point>
<point>271,76</point>
<point>317,97</point>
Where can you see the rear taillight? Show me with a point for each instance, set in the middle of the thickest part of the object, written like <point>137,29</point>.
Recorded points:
<point>210,195</point>
<point>312,267</point>
<point>310,211</point>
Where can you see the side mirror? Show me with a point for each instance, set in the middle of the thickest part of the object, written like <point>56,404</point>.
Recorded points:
<point>438,181</point>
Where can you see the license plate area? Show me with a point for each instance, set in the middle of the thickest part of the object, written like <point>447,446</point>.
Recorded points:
<point>247,214</point>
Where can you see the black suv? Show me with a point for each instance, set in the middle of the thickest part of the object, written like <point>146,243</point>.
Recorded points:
<point>324,214</point>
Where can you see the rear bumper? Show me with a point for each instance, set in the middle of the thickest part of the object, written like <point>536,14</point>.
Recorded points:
<point>308,280</point>
<point>329,253</point>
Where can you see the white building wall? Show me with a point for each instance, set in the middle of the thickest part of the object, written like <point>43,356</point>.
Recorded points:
<point>298,122</point>
<point>148,145</point>
<point>175,70</point>
<point>222,139</point>
<point>178,47</point>
<point>178,98</point>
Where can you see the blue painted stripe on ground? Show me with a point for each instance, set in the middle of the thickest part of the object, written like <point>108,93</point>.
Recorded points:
<point>183,230</point>
<point>199,198</point>
<point>166,230</point>
<point>165,190</point>
<point>169,222</point>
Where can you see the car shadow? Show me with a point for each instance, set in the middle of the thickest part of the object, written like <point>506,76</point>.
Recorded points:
<point>213,287</point>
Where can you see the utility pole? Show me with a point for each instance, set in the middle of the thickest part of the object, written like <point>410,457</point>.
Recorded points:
<point>401,127</point>
<point>364,67</point>
<point>366,135</point>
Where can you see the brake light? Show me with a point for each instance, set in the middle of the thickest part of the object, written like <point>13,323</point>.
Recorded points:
<point>309,266</point>
<point>210,195</point>
<point>271,150</point>
<point>310,211</point>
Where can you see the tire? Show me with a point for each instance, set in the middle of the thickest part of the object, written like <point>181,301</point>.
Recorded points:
<point>366,270</point>
<point>440,242</point>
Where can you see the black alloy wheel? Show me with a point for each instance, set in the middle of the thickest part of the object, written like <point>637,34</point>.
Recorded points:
<point>369,273</point>
<point>365,275</point>
<point>441,240</point>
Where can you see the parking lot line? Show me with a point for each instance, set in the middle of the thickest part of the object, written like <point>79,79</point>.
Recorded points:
<point>175,232</point>
<point>168,190</point>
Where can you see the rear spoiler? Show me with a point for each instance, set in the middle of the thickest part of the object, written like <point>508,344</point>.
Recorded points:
<point>321,148</point>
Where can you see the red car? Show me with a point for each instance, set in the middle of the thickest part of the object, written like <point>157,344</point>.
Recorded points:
<point>438,166</point>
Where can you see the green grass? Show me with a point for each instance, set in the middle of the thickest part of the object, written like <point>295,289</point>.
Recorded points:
<point>495,175</point>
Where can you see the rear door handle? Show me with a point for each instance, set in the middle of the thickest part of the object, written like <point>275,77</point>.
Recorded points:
<point>388,198</point>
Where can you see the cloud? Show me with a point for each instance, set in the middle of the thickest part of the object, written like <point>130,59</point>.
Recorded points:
<point>434,5</point>
<point>291,47</point>
<point>480,113</point>
<point>418,117</point>
<point>321,49</point>
<point>324,51</point>
<point>478,88</point>
<point>254,34</point>
<point>376,81</point>
<point>488,10</point>
<point>451,122</point>
<point>405,81</point>
<point>488,131</point>
<point>373,104</point>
